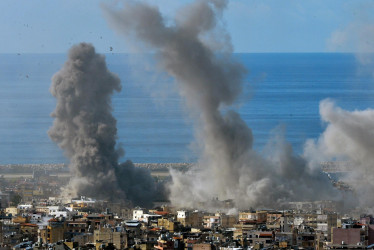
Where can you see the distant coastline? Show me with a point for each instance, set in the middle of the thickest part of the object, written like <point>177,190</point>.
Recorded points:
<point>10,171</point>
<point>281,89</point>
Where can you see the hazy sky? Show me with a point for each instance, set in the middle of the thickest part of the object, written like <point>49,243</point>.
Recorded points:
<point>44,26</point>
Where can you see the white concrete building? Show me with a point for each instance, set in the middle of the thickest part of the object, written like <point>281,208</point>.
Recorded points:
<point>24,206</point>
<point>138,214</point>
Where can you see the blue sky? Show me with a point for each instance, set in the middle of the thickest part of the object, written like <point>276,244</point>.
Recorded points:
<point>52,26</point>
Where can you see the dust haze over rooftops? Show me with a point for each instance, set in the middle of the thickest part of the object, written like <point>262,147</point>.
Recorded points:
<point>196,50</point>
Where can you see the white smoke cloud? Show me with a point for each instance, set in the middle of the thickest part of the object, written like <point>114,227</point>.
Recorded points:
<point>349,136</point>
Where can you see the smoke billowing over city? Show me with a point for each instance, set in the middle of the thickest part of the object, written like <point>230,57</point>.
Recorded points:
<point>85,129</point>
<point>348,137</point>
<point>246,124</point>
<point>192,51</point>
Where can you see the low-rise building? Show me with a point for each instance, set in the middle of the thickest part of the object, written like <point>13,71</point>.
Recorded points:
<point>348,237</point>
<point>211,221</point>
<point>114,236</point>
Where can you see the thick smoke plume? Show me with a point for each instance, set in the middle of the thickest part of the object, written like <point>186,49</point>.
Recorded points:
<point>85,129</point>
<point>349,136</point>
<point>210,81</point>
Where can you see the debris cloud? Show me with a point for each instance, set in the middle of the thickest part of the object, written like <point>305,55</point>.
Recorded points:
<point>191,49</point>
<point>348,137</point>
<point>85,129</point>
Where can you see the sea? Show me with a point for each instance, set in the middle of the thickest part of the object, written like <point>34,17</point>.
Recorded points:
<point>280,90</point>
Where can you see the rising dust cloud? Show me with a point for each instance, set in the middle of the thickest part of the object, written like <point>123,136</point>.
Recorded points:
<point>85,129</point>
<point>349,135</point>
<point>190,48</point>
<point>210,80</point>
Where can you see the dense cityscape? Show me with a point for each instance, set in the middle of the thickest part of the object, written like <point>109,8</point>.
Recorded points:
<point>231,194</point>
<point>36,215</point>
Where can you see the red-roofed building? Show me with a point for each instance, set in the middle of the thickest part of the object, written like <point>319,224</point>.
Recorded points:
<point>162,213</point>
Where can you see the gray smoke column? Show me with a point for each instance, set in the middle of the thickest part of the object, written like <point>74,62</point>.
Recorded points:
<point>196,51</point>
<point>85,129</point>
